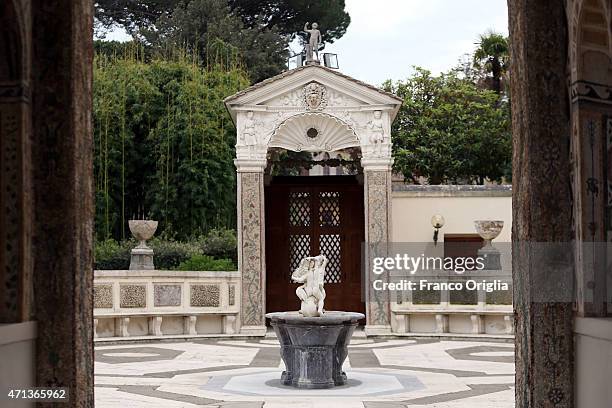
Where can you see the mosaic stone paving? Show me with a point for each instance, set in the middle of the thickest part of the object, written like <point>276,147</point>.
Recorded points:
<point>383,373</point>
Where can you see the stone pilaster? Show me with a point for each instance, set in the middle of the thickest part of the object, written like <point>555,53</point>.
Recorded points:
<point>542,203</point>
<point>589,150</point>
<point>251,246</point>
<point>377,195</point>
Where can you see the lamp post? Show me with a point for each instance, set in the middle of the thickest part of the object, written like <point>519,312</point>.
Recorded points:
<point>437,221</point>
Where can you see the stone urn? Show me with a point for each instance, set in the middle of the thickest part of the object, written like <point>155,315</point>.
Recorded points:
<point>314,348</point>
<point>142,255</point>
<point>489,230</point>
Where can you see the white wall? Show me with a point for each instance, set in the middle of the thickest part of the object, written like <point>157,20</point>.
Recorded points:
<point>413,207</point>
<point>593,345</point>
<point>17,352</point>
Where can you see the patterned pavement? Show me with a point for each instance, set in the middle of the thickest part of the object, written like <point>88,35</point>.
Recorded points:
<point>383,373</point>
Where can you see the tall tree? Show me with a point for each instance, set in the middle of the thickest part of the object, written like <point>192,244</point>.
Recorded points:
<point>198,24</point>
<point>493,56</point>
<point>260,30</point>
<point>449,130</point>
<point>132,15</point>
<point>163,144</point>
<point>289,16</point>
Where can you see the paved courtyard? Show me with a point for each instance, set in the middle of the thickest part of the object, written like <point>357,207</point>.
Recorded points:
<point>383,373</point>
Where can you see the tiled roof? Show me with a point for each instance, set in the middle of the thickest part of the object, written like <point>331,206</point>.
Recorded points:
<point>290,72</point>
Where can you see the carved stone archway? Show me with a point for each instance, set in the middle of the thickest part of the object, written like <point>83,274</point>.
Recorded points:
<point>310,108</point>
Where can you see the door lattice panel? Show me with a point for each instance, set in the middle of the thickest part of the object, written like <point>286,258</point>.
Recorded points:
<point>329,245</point>
<point>299,209</point>
<point>299,247</point>
<point>329,209</point>
<point>310,216</point>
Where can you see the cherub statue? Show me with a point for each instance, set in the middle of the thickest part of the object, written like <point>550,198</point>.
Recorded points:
<point>377,132</point>
<point>249,137</point>
<point>313,43</point>
<point>311,272</point>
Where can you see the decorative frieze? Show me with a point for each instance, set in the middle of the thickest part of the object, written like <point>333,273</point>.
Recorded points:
<point>166,295</point>
<point>205,296</point>
<point>590,91</point>
<point>133,296</point>
<point>103,296</point>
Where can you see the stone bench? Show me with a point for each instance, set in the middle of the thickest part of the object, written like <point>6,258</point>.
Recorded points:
<point>122,320</point>
<point>401,319</point>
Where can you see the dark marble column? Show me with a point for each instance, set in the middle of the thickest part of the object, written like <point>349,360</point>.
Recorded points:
<point>62,52</point>
<point>542,204</point>
<point>15,189</point>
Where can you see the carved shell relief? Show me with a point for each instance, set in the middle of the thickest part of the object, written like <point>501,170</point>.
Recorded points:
<point>314,96</point>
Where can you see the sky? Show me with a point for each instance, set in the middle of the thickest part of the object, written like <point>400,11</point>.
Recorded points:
<point>386,38</point>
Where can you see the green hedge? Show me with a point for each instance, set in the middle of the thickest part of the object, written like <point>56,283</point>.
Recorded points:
<point>168,255</point>
<point>112,255</point>
<point>221,244</point>
<point>206,263</point>
<point>216,251</point>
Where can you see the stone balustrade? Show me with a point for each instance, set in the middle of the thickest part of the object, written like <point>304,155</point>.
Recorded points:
<point>135,303</point>
<point>466,312</point>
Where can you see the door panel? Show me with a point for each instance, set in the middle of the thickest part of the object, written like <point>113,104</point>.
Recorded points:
<point>308,216</point>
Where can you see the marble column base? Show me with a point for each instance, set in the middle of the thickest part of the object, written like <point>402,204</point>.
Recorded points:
<point>258,331</point>
<point>377,330</point>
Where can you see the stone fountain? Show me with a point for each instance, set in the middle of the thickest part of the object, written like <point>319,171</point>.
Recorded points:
<point>314,342</point>
<point>489,230</point>
<point>142,255</point>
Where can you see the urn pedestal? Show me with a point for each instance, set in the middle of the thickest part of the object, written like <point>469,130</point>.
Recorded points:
<point>314,348</point>
<point>489,230</point>
<point>141,259</point>
<point>142,256</point>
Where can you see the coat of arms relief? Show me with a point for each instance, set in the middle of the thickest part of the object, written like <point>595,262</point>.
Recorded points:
<point>314,96</point>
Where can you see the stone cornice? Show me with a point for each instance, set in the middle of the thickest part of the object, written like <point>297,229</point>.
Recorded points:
<point>376,164</point>
<point>415,190</point>
<point>250,166</point>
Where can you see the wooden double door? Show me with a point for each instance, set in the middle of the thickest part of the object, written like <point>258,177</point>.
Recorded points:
<point>308,216</point>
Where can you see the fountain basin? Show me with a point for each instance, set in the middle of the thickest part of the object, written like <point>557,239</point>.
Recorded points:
<point>314,348</point>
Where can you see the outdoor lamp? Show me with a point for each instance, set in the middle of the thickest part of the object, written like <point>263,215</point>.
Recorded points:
<point>330,60</point>
<point>437,221</point>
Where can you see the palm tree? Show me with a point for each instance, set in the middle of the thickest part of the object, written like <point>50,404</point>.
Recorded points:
<point>493,56</point>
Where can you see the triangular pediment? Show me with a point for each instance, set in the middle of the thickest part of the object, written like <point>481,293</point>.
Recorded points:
<point>287,90</point>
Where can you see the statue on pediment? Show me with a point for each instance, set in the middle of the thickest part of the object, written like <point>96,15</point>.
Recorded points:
<point>314,40</point>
